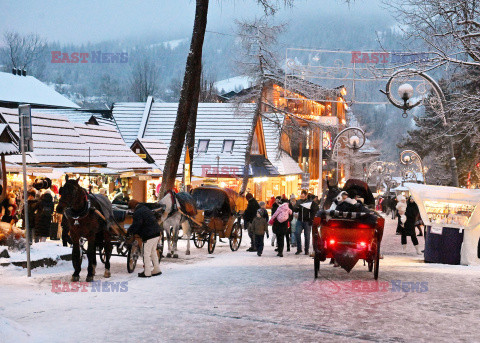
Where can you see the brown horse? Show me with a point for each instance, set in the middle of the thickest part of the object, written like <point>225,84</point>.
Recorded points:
<point>83,212</point>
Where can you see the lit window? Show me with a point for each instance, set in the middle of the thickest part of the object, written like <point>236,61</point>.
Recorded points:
<point>203,145</point>
<point>228,145</point>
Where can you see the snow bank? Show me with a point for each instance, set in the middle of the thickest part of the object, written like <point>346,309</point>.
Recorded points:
<point>38,251</point>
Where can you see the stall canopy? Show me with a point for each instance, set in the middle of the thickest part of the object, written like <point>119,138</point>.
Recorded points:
<point>423,193</point>
<point>452,196</point>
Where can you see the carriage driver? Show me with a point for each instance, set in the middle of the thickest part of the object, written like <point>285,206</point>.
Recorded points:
<point>146,226</point>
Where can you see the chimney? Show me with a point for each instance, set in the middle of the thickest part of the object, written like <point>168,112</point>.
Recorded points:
<point>24,72</point>
<point>14,71</point>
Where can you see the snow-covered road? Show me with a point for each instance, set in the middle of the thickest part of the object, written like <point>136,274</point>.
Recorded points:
<point>227,297</point>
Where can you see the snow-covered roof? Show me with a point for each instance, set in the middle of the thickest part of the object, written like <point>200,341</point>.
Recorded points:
<point>284,163</point>
<point>77,116</point>
<point>107,146</point>
<point>55,140</point>
<point>29,90</point>
<point>216,122</point>
<point>156,149</point>
<point>59,142</point>
<point>234,84</point>
<point>8,140</point>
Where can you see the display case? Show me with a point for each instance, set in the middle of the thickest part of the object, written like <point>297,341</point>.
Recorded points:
<point>452,214</point>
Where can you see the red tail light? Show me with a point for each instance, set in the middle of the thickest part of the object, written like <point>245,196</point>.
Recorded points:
<point>332,242</point>
<point>362,244</point>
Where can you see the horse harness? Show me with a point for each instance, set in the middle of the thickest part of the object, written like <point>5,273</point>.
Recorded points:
<point>69,213</point>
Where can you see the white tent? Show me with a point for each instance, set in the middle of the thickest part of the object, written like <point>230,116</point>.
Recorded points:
<point>453,195</point>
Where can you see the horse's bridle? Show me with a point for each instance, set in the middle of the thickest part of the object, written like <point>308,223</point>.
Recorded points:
<point>69,213</point>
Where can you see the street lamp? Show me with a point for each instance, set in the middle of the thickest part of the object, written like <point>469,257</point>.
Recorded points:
<point>352,138</point>
<point>405,91</point>
<point>409,157</point>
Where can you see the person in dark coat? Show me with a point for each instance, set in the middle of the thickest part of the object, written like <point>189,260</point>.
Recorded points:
<point>278,202</point>
<point>393,207</point>
<point>304,222</point>
<point>412,214</point>
<point>248,216</point>
<point>146,226</point>
<point>279,222</point>
<point>260,228</point>
<point>43,217</point>
<point>32,207</point>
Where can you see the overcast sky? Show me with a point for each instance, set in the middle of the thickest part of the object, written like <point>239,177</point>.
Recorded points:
<point>83,21</point>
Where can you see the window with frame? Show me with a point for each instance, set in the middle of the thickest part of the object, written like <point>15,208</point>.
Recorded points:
<point>203,145</point>
<point>228,145</point>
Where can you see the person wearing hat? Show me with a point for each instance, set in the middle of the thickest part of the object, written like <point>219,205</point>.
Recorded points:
<point>146,226</point>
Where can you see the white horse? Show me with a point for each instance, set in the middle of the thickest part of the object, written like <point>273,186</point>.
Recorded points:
<point>172,220</point>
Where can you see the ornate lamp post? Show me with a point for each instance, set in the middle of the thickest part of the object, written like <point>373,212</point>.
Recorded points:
<point>406,91</point>
<point>409,158</point>
<point>352,137</point>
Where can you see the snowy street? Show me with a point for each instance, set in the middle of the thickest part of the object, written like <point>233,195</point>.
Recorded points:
<point>241,297</point>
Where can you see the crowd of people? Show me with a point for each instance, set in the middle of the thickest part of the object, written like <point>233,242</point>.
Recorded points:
<point>41,203</point>
<point>289,218</point>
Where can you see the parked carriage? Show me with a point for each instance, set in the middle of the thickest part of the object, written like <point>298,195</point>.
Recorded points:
<point>124,246</point>
<point>218,215</point>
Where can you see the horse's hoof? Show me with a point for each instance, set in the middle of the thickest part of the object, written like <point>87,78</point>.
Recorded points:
<point>187,253</point>
<point>175,255</point>
<point>107,273</point>
<point>75,278</point>
<point>89,278</point>
<point>169,255</point>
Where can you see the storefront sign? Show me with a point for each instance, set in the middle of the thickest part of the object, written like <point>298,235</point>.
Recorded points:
<point>305,180</point>
<point>144,177</point>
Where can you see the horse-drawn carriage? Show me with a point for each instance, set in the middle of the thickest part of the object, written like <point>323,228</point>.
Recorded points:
<point>218,215</point>
<point>347,237</point>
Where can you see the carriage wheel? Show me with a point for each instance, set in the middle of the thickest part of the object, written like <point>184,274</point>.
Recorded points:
<point>212,241</point>
<point>132,257</point>
<point>236,236</point>
<point>160,246</point>
<point>316,265</point>
<point>376,263</point>
<point>198,240</point>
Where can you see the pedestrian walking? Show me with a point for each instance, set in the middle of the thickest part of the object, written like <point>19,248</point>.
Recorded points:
<point>146,226</point>
<point>293,220</point>
<point>260,228</point>
<point>412,214</point>
<point>278,202</point>
<point>279,222</point>
<point>304,221</point>
<point>248,216</point>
